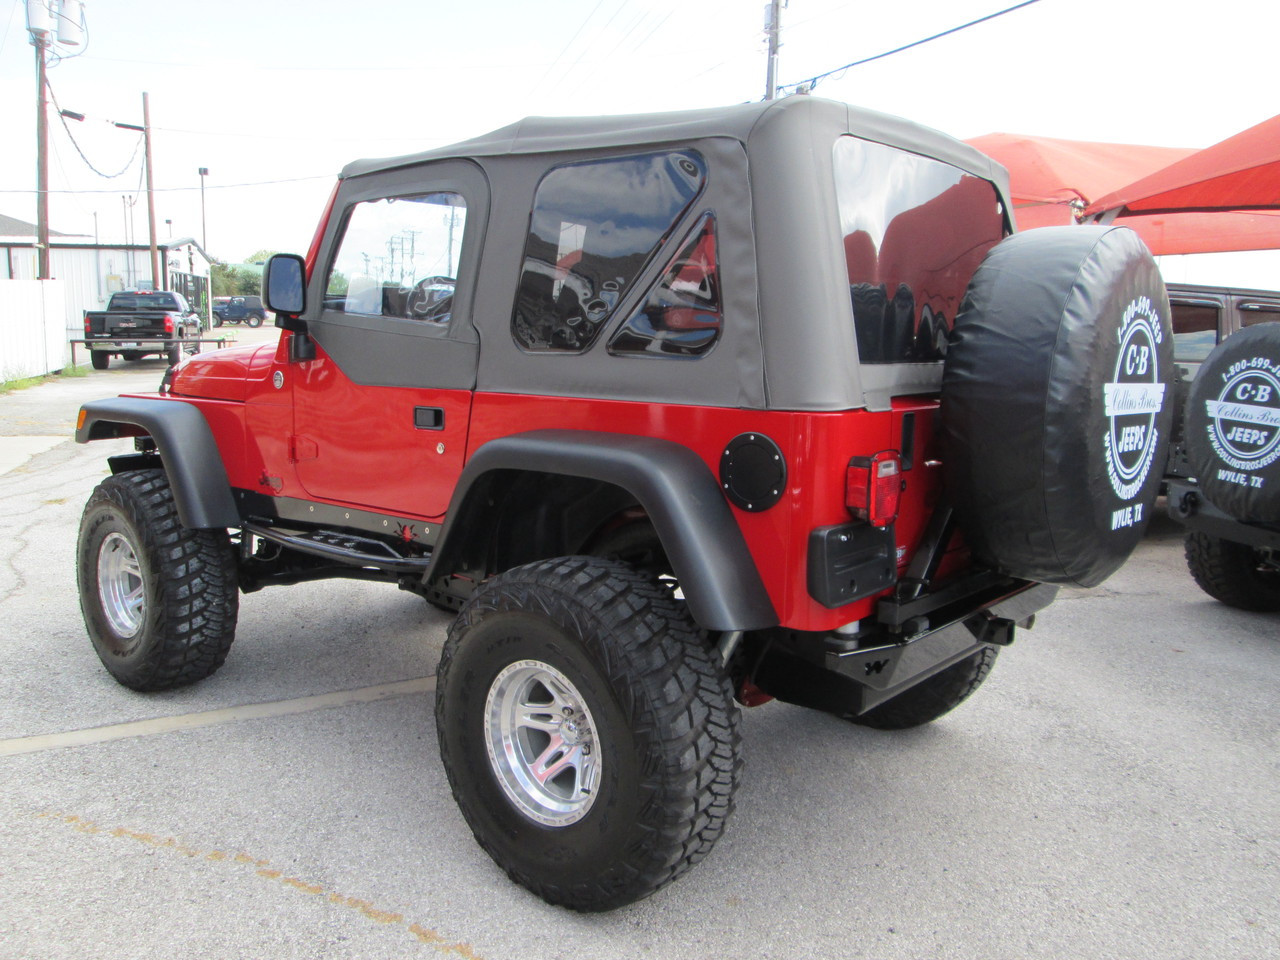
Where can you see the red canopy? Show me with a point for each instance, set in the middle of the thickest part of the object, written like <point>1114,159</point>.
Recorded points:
<point>1051,179</point>
<point>1240,173</point>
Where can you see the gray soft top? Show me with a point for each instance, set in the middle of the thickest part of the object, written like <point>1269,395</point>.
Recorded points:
<point>802,115</point>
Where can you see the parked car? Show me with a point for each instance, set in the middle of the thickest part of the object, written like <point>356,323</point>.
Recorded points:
<point>236,309</point>
<point>672,432</point>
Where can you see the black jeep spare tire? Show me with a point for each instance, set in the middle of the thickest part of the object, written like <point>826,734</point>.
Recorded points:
<point>1057,401</point>
<point>1233,424</point>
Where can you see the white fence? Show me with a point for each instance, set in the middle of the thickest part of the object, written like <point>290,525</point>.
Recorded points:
<point>33,328</point>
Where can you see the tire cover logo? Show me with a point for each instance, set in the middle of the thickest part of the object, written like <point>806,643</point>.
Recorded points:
<point>1133,400</point>
<point>1244,422</point>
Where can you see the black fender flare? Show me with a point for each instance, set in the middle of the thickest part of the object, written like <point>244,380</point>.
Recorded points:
<point>674,486</point>
<point>201,490</point>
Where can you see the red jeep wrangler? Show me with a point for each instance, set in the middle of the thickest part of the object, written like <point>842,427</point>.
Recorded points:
<point>674,410</point>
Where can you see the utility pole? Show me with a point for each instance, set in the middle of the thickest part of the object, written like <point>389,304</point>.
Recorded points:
<point>772,16</point>
<point>156,281</point>
<point>42,159</point>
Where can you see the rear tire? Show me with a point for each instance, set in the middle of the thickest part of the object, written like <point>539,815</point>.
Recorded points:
<point>590,670</point>
<point>254,321</point>
<point>159,600</point>
<point>100,359</point>
<point>927,701</point>
<point>1236,574</point>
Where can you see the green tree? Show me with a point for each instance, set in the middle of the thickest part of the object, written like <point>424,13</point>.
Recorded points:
<point>262,256</point>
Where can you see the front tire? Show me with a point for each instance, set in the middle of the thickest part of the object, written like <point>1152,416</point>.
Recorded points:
<point>588,733</point>
<point>159,600</point>
<point>1234,573</point>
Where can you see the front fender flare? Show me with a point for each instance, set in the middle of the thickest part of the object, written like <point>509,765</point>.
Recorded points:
<point>201,490</point>
<point>674,486</point>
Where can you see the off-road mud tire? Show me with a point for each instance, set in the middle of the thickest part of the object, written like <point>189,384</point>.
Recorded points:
<point>1057,400</point>
<point>185,580</point>
<point>1236,574</point>
<point>927,701</point>
<point>664,725</point>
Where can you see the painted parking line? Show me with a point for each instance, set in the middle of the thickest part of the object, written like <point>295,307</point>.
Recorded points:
<point>210,718</point>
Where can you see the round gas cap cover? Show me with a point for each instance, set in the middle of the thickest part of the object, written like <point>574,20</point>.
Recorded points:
<point>753,473</point>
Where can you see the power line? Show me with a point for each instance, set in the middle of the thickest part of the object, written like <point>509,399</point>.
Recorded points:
<point>71,137</point>
<point>221,186</point>
<point>811,82</point>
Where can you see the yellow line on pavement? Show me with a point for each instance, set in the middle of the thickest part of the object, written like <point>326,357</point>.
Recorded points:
<point>209,718</point>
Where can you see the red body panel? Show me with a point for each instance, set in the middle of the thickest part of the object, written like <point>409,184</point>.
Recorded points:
<point>313,437</point>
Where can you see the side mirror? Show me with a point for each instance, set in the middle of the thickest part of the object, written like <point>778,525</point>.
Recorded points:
<point>284,289</point>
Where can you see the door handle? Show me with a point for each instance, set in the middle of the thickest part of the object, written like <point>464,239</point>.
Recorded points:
<point>428,418</point>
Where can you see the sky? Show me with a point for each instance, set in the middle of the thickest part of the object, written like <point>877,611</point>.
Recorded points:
<point>275,97</point>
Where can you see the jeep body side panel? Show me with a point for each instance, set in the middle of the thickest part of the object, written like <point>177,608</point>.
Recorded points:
<point>816,448</point>
<point>672,484</point>
<point>187,448</point>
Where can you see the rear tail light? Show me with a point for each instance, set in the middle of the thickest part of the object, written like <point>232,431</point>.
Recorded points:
<point>168,323</point>
<point>88,327</point>
<point>873,486</point>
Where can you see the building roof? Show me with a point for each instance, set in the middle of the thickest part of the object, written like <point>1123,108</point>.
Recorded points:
<point>13,227</point>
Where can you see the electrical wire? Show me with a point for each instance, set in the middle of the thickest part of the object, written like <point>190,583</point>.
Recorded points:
<point>221,186</point>
<point>812,82</point>
<point>71,137</point>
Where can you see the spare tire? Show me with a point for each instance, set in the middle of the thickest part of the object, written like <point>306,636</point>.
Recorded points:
<point>1056,403</point>
<point>1233,424</point>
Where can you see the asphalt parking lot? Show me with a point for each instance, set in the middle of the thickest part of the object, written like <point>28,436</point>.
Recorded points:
<point>1111,792</point>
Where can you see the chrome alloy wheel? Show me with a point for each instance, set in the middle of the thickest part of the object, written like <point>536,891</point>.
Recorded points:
<point>542,743</point>
<point>120,585</point>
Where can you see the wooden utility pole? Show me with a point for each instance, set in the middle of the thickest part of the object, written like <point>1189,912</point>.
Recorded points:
<point>157,282</point>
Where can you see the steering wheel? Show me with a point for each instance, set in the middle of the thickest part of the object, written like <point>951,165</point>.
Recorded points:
<point>427,302</point>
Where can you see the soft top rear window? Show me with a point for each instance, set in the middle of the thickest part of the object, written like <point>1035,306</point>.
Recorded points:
<point>914,230</point>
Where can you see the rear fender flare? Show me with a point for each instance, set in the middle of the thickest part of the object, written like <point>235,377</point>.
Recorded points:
<point>674,486</point>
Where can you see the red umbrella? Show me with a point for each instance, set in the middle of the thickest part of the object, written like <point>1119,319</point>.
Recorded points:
<point>1240,173</point>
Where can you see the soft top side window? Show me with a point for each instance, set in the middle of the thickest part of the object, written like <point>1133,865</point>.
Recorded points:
<point>595,226</point>
<point>681,315</point>
<point>398,257</point>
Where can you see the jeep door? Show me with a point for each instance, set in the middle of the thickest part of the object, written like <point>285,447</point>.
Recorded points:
<point>381,414</point>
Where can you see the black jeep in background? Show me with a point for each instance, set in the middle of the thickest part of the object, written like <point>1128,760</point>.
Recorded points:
<point>1223,477</point>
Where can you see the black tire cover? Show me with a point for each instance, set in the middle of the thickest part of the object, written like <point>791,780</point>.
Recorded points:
<point>1233,424</point>
<point>1056,403</point>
